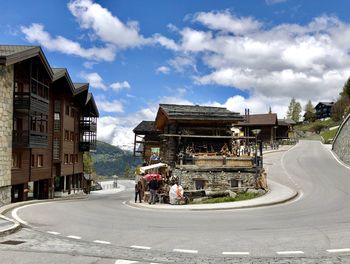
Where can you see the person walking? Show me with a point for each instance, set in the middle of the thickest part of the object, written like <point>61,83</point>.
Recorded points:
<point>153,187</point>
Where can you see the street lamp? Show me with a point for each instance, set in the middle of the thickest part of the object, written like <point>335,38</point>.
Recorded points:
<point>256,132</point>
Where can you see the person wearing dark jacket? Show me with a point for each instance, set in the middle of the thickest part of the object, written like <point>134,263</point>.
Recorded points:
<point>153,187</point>
<point>138,191</point>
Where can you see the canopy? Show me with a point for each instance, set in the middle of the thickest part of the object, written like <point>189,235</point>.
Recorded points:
<point>153,166</point>
<point>149,177</point>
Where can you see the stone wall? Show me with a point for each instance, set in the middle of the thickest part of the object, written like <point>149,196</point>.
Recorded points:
<point>215,180</point>
<point>6,116</point>
<point>341,144</point>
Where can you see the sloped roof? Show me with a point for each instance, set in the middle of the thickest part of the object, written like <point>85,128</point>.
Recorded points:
<point>330,104</point>
<point>11,54</point>
<point>260,119</point>
<point>91,106</point>
<point>145,127</point>
<point>286,122</point>
<point>192,112</point>
<point>80,87</point>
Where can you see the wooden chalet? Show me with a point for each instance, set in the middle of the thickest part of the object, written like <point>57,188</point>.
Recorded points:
<point>323,109</point>
<point>268,123</point>
<point>198,145</point>
<point>285,129</point>
<point>47,132</point>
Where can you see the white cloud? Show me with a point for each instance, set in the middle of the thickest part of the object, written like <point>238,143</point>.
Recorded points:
<point>117,86</point>
<point>105,26</point>
<point>94,79</point>
<point>104,105</point>
<point>163,69</point>
<point>225,21</point>
<point>288,60</point>
<point>35,33</point>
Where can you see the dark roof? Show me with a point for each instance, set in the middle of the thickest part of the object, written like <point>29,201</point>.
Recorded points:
<point>198,112</point>
<point>286,122</point>
<point>11,54</point>
<point>91,106</point>
<point>260,119</point>
<point>330,104</point>
<point>145,127</point>
<point>80,87</point>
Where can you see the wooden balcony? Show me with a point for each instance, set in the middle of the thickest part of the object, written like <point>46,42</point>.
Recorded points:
<point>31,102</point>
<point>29,139</point>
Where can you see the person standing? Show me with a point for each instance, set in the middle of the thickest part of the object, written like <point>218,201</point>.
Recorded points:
<point>153,187</point>
<point>138,191</point>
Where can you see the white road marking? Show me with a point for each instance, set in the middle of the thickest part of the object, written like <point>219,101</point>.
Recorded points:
<point>235,253</point>
<point>186,251</point>
<point>16,217</point>
<point>74,237</point>
<point>53,232</point>
<point>141,247</point>
<point>124,261</point>
<point>289,252</point>
<point>339,250</point>
<point>102,242</point>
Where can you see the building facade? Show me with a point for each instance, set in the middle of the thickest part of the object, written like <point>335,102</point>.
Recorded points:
<point>324,109</point>
<point>30,89</point>
<point>198,145</point>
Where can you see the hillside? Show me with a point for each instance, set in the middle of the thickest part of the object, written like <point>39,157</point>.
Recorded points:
<point>111,160</point>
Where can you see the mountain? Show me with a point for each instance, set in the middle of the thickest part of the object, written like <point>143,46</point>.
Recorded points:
<point>111,160</point>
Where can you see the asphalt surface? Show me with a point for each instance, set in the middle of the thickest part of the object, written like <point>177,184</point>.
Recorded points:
<point>315,228</point>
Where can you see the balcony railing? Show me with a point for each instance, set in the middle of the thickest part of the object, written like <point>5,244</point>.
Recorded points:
<point>29,139</point>
<point>20,138</point>
<point>87,146</point>
<point>29,101</point>
<point>87,125</point>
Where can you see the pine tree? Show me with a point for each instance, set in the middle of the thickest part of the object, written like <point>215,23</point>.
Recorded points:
<point>294,110</point>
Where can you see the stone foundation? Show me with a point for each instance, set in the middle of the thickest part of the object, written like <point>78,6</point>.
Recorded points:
<point>6,116</point>
<point>216,180</point>
<point>5,195</point>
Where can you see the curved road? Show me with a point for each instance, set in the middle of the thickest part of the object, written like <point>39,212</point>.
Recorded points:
<point>319,220</point>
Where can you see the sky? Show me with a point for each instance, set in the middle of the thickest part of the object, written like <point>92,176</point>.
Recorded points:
<point>236,54</point>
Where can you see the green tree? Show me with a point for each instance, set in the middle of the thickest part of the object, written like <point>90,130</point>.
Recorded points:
<point>127,171</point>
<point>346,89</point>
<point>88,164</point>
<point>294,110</point>
<point>310,115</point>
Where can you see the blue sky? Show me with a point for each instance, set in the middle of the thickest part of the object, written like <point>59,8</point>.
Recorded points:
<point>236,54</point>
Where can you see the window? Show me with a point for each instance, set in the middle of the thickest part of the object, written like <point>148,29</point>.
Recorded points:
<point>66,159</point>
<point>76,158</point>
<point>234,183</point>
<point>199,184</point>
<point>72,113</point>
<point>16,160</point>
<point>66,135</point>
<point>71,136</point>
<point>33,123</point>
<point>67,110</point>
<point>57,116</point>
<point>40,160</point>
<point>32,162</point>
<point>71,158</point>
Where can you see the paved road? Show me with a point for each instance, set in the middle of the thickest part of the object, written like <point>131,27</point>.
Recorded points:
<point>317,225</point>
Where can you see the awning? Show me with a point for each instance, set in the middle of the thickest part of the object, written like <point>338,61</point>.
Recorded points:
<point>153,166</point>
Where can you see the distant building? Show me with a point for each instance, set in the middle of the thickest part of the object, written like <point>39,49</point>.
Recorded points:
<point>323,109</point>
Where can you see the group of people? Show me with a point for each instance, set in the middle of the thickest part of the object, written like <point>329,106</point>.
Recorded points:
<point>176,192</point>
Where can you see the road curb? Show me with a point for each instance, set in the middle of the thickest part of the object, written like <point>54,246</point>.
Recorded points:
<point>16,226</point>
<point>12,229</point>
<point>178,209</point>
